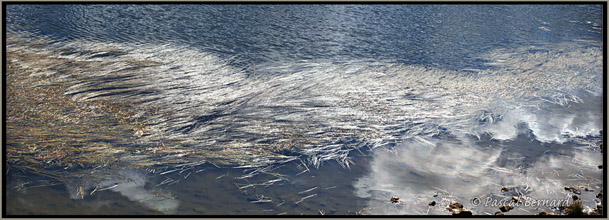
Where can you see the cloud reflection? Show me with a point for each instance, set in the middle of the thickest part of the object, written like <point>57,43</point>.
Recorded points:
<point>414,171</point>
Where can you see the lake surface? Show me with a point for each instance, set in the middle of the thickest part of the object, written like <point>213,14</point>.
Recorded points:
<point>301,109</point>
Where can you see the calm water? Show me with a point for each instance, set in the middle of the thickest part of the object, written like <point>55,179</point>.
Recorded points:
<point>374,101</point>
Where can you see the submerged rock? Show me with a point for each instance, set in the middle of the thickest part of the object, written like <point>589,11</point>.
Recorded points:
<point>455,205</point>
<point>504,190</point>
<point>457,209</point>
<point>598,210</point>
<point>573,189</point>
<point>394,199</point>
<point>506,208</point>
<point>543,213</point>
<point>517,199</point>
<point>463,212</point>
<point>587,189</point>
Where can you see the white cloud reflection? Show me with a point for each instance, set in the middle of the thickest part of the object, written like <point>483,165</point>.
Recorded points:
<point>131,184</point>
<point>414,171</point>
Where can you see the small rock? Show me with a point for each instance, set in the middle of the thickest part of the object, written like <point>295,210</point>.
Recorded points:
<point>394,199</point>
<point>464,212</point>
<point>600,195</point>
<point>600,166</point>
<point>432,203</point>
<point>543,213</point>
<point>517,199</point>
<point>506,208</point>
<point>435,195</point>
<point>504,190</point>
<point>573,189</point>
<point>498,213</point>
<point>575,198</point>
<point>455,205</point>
<point>587,189</point>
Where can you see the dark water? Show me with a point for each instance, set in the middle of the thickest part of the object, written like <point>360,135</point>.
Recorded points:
<point>446,36</point>
<point>376,100</point>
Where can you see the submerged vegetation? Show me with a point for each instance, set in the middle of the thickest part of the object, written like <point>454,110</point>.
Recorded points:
<point>54,135</point>
<point>60,127</point>
<point>576,209</point>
